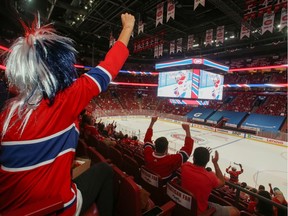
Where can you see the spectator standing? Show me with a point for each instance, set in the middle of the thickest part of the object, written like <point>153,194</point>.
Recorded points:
<point>200,182</point>
<point>40,126</point>
<point>156,156</point>
<point>234,174</point>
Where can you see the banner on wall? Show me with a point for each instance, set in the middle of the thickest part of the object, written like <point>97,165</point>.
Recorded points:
<point>156,52</point>
<point>245,32</point>
<point>190,42</point>
<point>209,37</point>
<point>283,19</point>
<point>170,10</point>
<point>199,2</point>
<point>172,47</point>
<point>268,22</point>
<point>160,50</point>
<point>179,45</point>
<point>220,35</point>
<point>111,40</point>
<point>140,27</point>
<point>159,13</point>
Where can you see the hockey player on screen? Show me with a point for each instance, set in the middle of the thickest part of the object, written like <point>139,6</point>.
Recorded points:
<point>181,80</point>
<point>216,88</point>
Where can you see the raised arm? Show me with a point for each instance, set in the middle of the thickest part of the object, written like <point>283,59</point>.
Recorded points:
<point>217,169</point>
<point>186,150</point>
<point>149,132</point>
<point>241,169</point>
<point>128,22</point>
<point>227,169</point>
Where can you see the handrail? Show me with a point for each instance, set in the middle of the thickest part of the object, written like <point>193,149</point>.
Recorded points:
<point>239,188</point>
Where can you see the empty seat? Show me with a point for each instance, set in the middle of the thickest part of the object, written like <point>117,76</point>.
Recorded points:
<point>217,199</point>
<point>139,158</point>
<point>95,156</point>
<point>245,213</point>
<point>92,140</point>
<point>82,148</point>
<point>154,184</point>
<point>115,156</point>
<point>102,148</point>
<point>128,201</point>
<point>131,167</point>
<point>186,203</point>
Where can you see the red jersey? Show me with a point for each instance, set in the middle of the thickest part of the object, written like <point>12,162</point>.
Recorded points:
<point>198,181</point>
<point>234,175</point>
<point>37,164</point>
<point>165,165</point>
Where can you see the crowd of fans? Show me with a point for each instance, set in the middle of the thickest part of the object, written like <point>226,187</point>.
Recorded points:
<point>202,181</point>
<point>129,99</point>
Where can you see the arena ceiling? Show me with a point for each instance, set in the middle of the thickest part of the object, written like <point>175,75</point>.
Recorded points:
<point>90,23</point>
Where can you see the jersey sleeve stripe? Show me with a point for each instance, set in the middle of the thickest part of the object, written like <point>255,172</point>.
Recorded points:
<point>23,156</point>
<point>184,155</point>
<point>148,145</point>
<point>100,76</point>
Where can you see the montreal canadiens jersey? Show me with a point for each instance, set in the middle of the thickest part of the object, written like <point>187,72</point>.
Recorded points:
<point>37,164</point>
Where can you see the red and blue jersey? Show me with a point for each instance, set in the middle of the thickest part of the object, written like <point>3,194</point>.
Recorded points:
<point>165,165</point>
<point>37,164</point>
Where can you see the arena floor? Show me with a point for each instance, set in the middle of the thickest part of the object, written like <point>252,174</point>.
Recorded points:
<point>263,163</point>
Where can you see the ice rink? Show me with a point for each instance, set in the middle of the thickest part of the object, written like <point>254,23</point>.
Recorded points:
<point>263,163</point>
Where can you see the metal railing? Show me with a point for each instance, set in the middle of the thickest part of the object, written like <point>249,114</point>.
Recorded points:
<point>237,196</point>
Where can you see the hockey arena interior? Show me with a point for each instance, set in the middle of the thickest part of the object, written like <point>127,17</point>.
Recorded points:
<point>127,133</point>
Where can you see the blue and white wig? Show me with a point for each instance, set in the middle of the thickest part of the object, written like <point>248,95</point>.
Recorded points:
<point>38,65</point>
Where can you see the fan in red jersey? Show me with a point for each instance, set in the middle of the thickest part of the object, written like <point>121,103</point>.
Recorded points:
<point>40,125</point>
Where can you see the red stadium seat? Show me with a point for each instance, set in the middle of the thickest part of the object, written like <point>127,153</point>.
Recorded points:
<point>82,148</point>
<point>154,184</point>
<point>95,156</point>
<point>217,199</point>
<point>92,140</point>
<point>139,158</point>
<point>186,204</point>
<point>102,148</point>
<point>115,156</point>
<point>131,167</point>
<point>245,213</point>
<point>129,198</point>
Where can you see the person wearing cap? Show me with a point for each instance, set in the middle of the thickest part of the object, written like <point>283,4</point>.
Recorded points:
<point>156,155</point>
<point>234,174</point>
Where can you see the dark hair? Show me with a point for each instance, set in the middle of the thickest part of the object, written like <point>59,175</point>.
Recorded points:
<point>209,169</point>
<point>201,156</point>
<point>161,144</point>
<point>261,187</point>
<point>243,184</point>
<point>264,207</point>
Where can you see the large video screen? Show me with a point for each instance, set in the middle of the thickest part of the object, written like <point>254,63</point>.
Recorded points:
<point>210,86</point>
<point>175,84</point>
<point>190,84</point>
